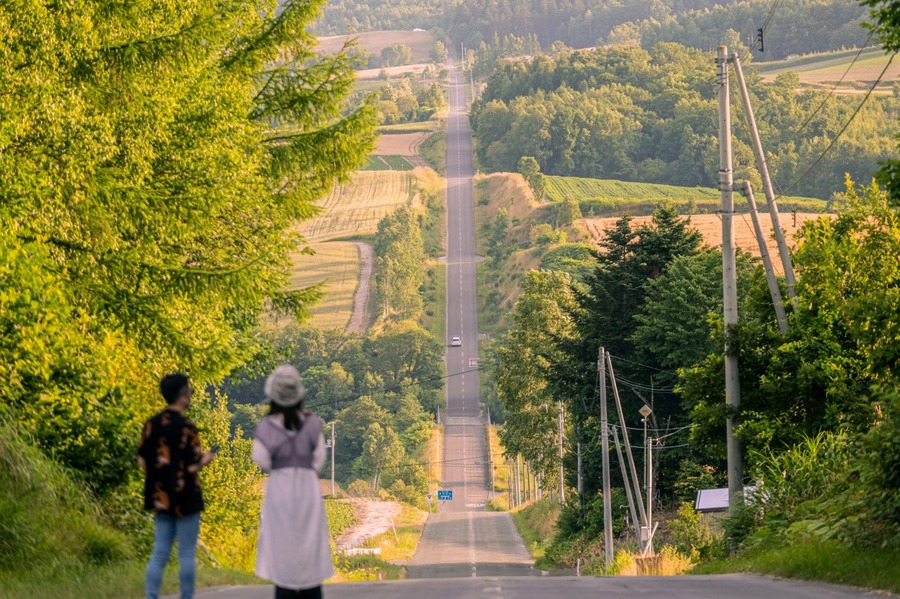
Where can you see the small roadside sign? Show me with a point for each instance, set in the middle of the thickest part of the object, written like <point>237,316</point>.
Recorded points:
<point>429,497</point>
<point>446,495</point>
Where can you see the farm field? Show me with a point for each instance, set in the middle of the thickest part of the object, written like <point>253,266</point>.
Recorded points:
<point>355,207</point>
<point>605,196</point>
<point>335,263</point>
<point>370,74</point>
<point>373,42</point>
<point>400,144</point>
<point>710,226</point>
<point>826,69</point>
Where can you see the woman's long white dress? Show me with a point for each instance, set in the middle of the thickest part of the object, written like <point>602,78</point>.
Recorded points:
<point>293,549</point>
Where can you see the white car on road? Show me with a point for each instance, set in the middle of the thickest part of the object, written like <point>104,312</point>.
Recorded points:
<point>455,342</point>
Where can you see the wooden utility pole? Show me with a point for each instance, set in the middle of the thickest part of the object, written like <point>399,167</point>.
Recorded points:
<point>767,181</point>
<point>774,290</point>
<point>604,445</point>
<point>332,458</point>
<point>629,455</point>
<point>729,284</point>
<point>562,481</point>
<point>634,517</point>
<point>579,484</point>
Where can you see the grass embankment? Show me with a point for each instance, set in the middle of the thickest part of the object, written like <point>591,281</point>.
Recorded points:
<point>825,561</point>
<point>57,542</point>
<point>433,151</point>
<point>537,525</point>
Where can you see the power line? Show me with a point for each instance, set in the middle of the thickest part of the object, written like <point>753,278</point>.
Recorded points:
<point>834,88</point>
<point>392,388</point>
<point>790,187</point>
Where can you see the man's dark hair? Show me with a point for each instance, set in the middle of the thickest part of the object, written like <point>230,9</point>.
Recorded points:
<point>172,385</point>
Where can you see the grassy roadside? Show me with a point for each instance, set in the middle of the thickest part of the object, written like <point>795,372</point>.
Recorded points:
<point>433,151</point>
<point>537,525</point>
<point>824,561</point>
<point>120,580</point>
<point>397,546</point>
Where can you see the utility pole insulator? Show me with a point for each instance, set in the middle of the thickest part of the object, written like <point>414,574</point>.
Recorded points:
<point>761,39</point>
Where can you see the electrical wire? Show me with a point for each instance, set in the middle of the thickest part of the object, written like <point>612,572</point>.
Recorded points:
<point>796,181</point>
<point>834,88</point>
<point>392,388</point>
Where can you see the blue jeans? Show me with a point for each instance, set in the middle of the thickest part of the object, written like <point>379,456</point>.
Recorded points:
<point>168,528</point>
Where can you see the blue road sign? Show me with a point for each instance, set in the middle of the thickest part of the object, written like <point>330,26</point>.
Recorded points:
<point>445,495</point>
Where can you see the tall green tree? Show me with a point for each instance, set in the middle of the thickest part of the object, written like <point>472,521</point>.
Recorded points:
<point>155,155</point>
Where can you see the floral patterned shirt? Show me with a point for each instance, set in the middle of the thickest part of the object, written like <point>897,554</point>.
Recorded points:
<point>169,445</point>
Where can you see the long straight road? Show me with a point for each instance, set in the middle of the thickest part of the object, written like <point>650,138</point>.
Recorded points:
<point>463,539</point>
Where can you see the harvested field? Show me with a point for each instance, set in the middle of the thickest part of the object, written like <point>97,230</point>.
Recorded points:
<point>710,226</point>
<point>400,144</point>
<point>373,42</point>
<point>336,263</point>
<point>354,208</point>
<point>826,69</point>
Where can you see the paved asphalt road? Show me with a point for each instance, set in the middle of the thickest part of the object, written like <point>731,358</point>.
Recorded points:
<point>463,540</point>
<point>732,586</point>
<point>465,552</point>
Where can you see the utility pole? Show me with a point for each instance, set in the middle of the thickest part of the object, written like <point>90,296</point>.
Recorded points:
<point>604,444</point>
<point>648,473</point>
<point>518,482</point>
<point>774,290</point>
<point>580,483</point>
<point>633,470</point>
<point>634,518</point>
<point>562,492</point>
<point>767,181</point>
<point>729,284</point>
<point>332,457</point>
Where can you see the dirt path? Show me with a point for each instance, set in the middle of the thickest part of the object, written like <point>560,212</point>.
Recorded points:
<point>374,518</point>
<point>359,320</point>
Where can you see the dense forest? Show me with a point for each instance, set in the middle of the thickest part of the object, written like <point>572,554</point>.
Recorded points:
<point>798,27</point>
<point>638,115</point>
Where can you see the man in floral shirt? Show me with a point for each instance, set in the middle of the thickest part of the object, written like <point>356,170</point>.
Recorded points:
<point>171,456</point>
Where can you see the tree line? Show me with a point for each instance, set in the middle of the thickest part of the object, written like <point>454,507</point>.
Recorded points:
<point>653,301</point>
<point>651,116</point>
<point>154,160</point>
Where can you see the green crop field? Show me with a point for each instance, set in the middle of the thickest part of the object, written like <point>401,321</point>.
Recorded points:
<point>398,163</point>
<point>355,207</point>
<point>606,197</point>
<point>578,188</point>
<point>336,264</point>
<point>376,163</point>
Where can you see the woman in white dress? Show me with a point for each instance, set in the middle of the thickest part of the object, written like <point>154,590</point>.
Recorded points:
<point>293,551</point>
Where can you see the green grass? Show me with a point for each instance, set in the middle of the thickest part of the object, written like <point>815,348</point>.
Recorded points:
<point>121,580</point>
<point>827,561</point>
<point>606,197</point>
<point>340,516</point>
<point>537,525</point>
<point>433,151</point>
<point>435,312</point>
